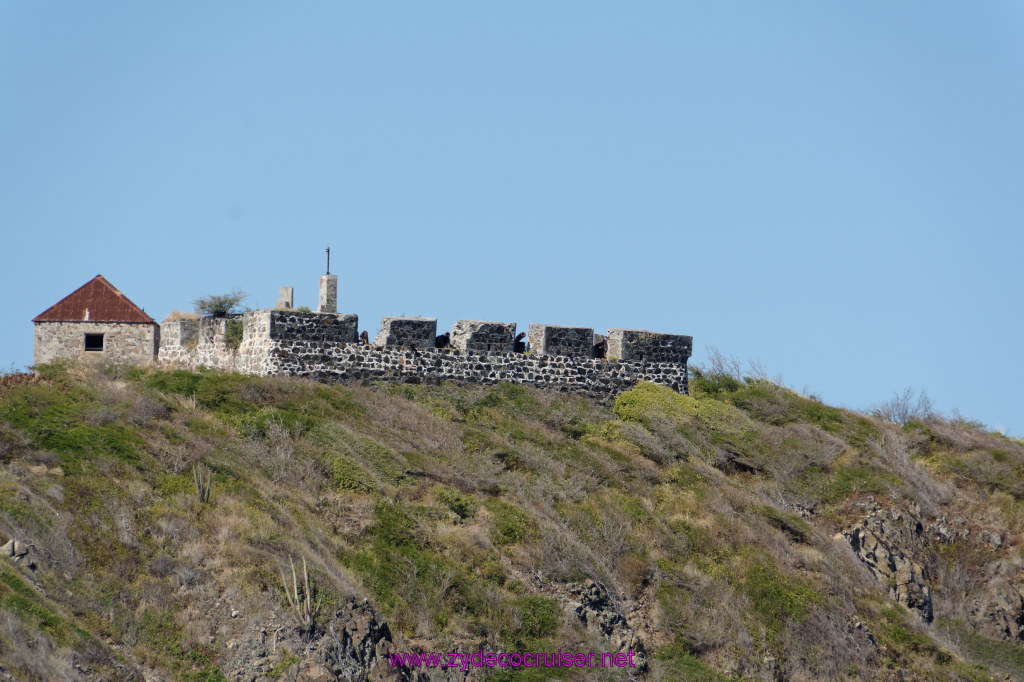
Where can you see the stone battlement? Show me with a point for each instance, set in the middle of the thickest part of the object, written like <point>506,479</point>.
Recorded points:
<point>325,346</point>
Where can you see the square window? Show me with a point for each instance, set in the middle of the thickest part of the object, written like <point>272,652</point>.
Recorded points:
<point>94,342</point>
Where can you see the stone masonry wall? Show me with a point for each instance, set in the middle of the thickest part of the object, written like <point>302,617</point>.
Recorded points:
<point>293,324</point>
<point>316,346</point>
<point>122,341</point>
<point>553,339</point>
<point>180,332</point>
<point>640,344</point>
<point>600,379</point>
<point>403,332</point>
<point>483,337</point>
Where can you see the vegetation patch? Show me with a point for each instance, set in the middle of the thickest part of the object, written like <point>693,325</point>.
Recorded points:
<point>461,505</point>
<point>651,405</point>
<point>509,524</point>
<point>167,648</point>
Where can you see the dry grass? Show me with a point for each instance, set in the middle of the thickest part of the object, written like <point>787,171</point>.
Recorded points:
<point>460,502</point>
<point>179,315</point>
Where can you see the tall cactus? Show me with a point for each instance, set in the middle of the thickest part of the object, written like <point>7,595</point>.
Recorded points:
<point>303,609</point>
<point>204,480</point>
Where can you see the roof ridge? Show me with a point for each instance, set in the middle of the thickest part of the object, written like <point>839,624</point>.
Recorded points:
<point>106,303</point>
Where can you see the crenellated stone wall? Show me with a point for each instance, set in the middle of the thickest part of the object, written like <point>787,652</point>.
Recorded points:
<point>324,347</point>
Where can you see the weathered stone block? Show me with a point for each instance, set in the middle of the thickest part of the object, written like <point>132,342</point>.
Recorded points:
<point>637,345</point>
<point>182,332</point>
<point>553,339</point>
<point>212,330</point>
<point>405,332</point>
<point>315,327</point>
<point>474,336</point>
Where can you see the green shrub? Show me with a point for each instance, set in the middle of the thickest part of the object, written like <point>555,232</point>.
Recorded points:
<point>234,330</point>
<point>220,305</point>
<point>347,475</point>
<point>793,526</point>
<point>463,506</point>
<point>649,404</point>
<point>539,617</point>
<point>774,596</point>
<point>509,524</point>
<point>848,481</point>
<point>680,664</point>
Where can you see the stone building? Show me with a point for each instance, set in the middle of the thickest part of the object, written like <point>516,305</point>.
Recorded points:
<point>96,321</point>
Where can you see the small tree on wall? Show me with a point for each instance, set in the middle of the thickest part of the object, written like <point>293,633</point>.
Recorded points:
<point>220,305</point>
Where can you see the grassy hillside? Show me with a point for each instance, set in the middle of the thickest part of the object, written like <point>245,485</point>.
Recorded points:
<point>711,532</point>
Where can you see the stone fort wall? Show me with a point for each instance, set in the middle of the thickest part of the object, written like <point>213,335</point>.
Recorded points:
<point>325,347</point>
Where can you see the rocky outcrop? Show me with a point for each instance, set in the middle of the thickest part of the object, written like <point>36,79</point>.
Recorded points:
<point>359,644</point>
<point>590,603</point>
<point>351,646</point>
<point>887,541</point>
<point>897,546</point>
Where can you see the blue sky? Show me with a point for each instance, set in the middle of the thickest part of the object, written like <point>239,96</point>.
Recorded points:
<point>833,189</point>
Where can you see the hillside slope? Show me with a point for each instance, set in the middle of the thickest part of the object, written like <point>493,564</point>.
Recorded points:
<point>742,532</point>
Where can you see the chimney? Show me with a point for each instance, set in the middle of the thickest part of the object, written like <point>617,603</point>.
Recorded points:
<point>328,294</point>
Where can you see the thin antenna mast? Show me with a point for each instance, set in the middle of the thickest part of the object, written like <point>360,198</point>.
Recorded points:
<point>328,260</point>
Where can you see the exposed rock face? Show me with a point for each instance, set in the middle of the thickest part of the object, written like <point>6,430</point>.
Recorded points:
<point>886,540</point>
<point>353,645</point>
<point>999,610</point>
<point>590,603</point>
<point>361,644</point>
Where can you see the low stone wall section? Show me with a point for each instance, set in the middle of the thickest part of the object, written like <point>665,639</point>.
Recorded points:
<point>553,339</point>
<point>407,332</point>
<point>642,345</point>
<point>601,379</point>
<point>293,324</point>
<point>212,329</point>
<point>181,332</point>
<point>473,336</point>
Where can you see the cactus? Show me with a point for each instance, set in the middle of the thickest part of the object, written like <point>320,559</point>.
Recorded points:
<point>303,609</point>
<point>204,479</point>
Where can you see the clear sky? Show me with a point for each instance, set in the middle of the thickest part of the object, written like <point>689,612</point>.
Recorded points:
<point>833,189</point>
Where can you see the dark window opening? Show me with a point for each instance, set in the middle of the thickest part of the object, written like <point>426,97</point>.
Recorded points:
<point>94,341</point>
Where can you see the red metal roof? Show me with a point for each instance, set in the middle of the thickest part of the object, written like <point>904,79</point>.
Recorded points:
<point>95,301</point>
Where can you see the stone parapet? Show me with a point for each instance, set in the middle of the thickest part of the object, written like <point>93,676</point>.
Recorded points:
<point>473,336</point>
<point>181,332</point>
<point>643,346</point>
<point>407,332</point>
<point>335,327</point>
<point>553,339</point>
